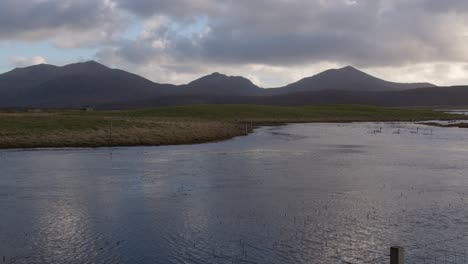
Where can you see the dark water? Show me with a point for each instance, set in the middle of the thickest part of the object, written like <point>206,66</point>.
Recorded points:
<point>308,193</point>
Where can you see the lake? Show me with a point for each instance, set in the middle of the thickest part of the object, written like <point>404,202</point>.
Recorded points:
<point>302,193</point>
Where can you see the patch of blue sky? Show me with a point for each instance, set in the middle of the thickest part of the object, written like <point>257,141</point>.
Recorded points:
<point>134,30</point>
<point>197,26</point>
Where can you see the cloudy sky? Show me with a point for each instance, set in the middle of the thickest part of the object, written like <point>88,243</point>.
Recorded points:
<point>271,42</point>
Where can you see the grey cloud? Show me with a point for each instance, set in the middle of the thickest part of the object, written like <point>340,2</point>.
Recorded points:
<point>178,8</point>
<point>438,6</point>
<point>278,32</point>
<point>38,20</point>
<point>364,33</point>
<point>137,52</point>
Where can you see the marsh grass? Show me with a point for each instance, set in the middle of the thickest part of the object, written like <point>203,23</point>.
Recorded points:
<point>178,125</point>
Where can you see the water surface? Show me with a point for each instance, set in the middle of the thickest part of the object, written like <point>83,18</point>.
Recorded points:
<point>304,193</point>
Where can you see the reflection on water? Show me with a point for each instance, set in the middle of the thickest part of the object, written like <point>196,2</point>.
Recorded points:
<point>305,193</point>
<point>457,111</point>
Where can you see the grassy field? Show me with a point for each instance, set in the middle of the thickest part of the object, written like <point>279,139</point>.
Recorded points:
<point>177,125</point>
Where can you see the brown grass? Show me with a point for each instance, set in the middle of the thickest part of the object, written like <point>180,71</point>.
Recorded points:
<point>154,134</point>
<point>176,125</point>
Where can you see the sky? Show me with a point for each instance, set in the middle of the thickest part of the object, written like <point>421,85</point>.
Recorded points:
<point>271,42</point>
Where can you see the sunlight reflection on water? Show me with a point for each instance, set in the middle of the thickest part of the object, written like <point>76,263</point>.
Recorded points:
<point>304,193</point>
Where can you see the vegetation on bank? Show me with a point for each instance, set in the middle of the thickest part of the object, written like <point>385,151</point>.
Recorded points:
<point>178,125</point>
<point>280,114</point>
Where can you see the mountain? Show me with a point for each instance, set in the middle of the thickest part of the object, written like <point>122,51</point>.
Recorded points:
<point>74,85</point>
<point>346,79</point>
<point>218,84</point>
<point>90,83</point>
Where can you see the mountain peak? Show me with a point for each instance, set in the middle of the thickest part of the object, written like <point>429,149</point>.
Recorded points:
<point>348,68</point>
<point>217,74</point>
<point>221,84</point>
<point>346,79</point>
<point>92,67</point>
<point>90,63</point>
<point>44,66</point>
<point>219,77</point>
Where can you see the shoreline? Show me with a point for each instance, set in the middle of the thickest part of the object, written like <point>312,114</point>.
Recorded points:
<point>195,141</point>
<point>126,138</point>
<point>186,125</point>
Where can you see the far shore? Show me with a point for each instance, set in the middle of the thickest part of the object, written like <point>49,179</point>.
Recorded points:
<point>179,125</point>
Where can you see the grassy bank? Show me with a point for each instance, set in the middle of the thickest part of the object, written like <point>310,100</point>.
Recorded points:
<point>177,125</point>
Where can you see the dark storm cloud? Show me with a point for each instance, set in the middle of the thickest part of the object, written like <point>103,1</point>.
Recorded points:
<point>41,19</point>
<point>358,32</point>
<point>135,52</point>
<point>276,32</point>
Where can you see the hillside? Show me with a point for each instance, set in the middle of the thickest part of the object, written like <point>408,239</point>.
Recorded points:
<point>346,79</point>
<point>218,84</point>
<point>74,85</point>
<point>90,83</point>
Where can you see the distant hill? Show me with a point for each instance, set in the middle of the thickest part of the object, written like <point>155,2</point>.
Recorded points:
<point>346,79</point>
<point>74,85</point>
<point>218,84</point>
<point>427,97</point>
<point>90,83</point>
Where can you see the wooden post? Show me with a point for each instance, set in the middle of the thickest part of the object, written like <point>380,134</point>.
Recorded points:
<point>110,133</point>
<point>397,255</point>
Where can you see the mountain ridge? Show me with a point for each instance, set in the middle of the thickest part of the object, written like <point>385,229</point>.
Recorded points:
<point>219,84</point>
<point>91,83</point>
<point>73,85</point>
<point>346,79</point>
